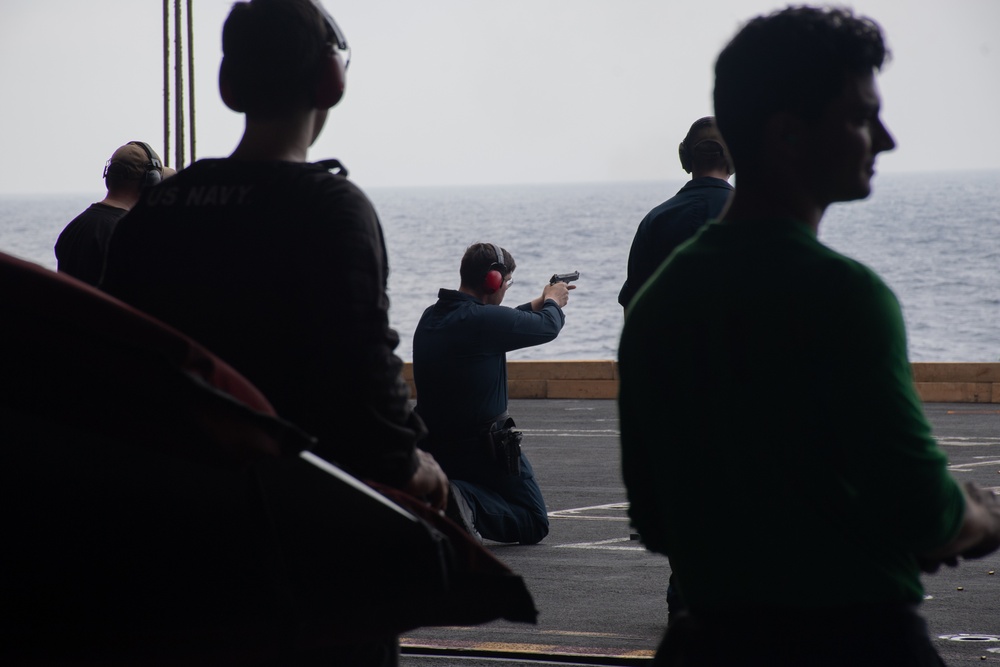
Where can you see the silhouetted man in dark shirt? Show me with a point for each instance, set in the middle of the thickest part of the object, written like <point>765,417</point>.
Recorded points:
<point>83,244</point>
<point>811,497</point>
<point>279,265</point>
<point>460,370</point>
<point>704,155</point>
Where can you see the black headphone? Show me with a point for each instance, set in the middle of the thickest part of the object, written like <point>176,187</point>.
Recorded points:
<point>153,173</point>
<point>494,278</point>
<point>684,151</point>
<point>154,170</point>
<point>333,68</point>
<point>685,155</point>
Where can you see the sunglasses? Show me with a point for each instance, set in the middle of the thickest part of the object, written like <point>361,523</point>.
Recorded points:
<point>335,36</point>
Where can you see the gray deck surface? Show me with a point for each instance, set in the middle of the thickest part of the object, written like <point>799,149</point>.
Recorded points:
<point>601,594</point>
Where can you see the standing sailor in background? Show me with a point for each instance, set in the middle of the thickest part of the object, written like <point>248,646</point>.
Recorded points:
<point>460,373</point>
<point>704,155</point>
<point>83,244</point>
<point>278,265</point>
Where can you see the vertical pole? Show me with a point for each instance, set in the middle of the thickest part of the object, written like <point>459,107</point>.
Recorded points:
<point>166,78</point>
<point>179,84</point>
<point>190,31</point>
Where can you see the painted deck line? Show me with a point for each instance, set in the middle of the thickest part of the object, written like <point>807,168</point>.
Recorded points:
<point>614,544</point>
<point>459,629</point>
<point>968,441</point>
<point>527,652</point>
<point>582,431</point>
<point>974,464</point>
<point>593,513</point>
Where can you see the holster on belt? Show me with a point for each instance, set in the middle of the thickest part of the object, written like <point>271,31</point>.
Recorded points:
<point>504,446</point>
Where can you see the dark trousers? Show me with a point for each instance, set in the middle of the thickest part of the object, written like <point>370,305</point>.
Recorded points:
<point>506,508</point>
<point>850,636</point>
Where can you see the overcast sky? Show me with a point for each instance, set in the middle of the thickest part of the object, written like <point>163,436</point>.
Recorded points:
<point>452,92</point>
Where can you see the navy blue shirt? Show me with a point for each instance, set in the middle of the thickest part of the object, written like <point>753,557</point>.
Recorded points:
<point>460,360</point>
<point>670,224</point>
<point>280,268</point>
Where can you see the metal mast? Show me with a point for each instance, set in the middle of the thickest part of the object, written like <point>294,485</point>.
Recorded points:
<point>173,87</point>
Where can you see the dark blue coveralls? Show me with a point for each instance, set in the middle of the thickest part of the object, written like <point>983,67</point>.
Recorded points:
<point>460,372</point>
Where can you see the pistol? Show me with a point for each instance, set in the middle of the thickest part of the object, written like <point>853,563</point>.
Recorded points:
<point>564,277</point>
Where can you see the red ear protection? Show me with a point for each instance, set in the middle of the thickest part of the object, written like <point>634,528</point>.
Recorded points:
<point>494,278</point>
<point>493,281</point>
<point>329,81</point>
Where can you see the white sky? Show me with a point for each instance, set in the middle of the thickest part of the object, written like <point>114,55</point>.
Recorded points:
<point>455,92</point>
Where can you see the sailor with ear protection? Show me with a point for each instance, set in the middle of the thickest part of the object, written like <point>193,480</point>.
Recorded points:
<point>279,263</point>
<point>82,245</point>
<point>460,373</point>
<point>704,155</point>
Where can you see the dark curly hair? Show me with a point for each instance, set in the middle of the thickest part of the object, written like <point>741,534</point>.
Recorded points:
<point>794,60</point>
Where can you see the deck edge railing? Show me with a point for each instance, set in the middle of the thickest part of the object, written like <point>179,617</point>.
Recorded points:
<point>937,382</point>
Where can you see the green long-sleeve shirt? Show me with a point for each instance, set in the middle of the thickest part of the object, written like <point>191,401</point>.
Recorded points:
<point>773,444</point>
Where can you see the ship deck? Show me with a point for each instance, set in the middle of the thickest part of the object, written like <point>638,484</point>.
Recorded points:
<point>602,596</point>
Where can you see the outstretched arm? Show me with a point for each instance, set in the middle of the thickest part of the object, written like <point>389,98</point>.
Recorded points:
<point>558,293</point>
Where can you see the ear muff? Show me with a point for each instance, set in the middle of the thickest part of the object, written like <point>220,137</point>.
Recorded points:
<point>226,89</point>
<point>330,81</point>
<point>494,277</point>
<point>685,156</point>
<point>154,170</point>
<point>492,281</point>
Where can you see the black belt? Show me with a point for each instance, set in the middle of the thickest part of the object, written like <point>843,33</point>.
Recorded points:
<point>458,437</point>
<point>495,442</point>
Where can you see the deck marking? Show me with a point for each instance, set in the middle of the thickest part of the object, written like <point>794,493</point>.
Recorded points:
<point>606,431</point>
<point>564,433</point>
<point>975,464</point>
<point>512,649</point>
<point>604,545</point>
<point>966,441</point>
<point>581,633</point>
<point>968,637</point>
<point>609,512</point>
<point>557,633</point>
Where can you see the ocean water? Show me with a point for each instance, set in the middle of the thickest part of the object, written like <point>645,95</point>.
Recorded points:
<point>934,238</point>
